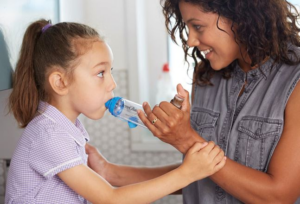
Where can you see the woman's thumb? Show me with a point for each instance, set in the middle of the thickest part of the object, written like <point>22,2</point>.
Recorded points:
<point>184,94</point>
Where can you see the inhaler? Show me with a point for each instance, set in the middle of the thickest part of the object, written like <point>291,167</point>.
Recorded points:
<point>127,110</point>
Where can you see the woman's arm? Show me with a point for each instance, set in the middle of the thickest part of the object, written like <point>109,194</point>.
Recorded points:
<point>200,161</point>
<point>281,182</point>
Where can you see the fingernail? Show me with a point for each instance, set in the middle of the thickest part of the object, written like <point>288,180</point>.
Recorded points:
<point>145,103</point>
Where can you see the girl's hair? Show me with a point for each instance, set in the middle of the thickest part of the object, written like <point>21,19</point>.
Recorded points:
<point>265,27</point>
<point>56,47</point>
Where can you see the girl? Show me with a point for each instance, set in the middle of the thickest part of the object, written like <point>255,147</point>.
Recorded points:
<point>246,98</point>
<point>65,70</point>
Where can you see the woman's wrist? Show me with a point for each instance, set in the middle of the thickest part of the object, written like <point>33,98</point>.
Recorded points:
<point>191,138</point>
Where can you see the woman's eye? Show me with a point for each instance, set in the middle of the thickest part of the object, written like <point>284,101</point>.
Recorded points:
<point>100,74</point>
<point>197,27</point>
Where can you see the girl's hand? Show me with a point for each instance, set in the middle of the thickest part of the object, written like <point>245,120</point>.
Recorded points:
<point>96,161</point>
<point>202,160</point>
<point>172,125</point>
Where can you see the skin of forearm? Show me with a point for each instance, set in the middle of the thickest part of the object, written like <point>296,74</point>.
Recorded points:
<point>118,175</point>
<point>248,185</point>
<point>164,185</point>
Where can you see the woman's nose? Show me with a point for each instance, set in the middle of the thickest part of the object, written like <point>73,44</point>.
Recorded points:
<point>193,41</point>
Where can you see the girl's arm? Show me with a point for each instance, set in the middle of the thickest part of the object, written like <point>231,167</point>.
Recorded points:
<point>280,184</point>
<point>198,164</point>
<point>121,175</point>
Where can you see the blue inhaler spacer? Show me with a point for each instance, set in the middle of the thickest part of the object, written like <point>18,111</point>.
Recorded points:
<point>125,110</point>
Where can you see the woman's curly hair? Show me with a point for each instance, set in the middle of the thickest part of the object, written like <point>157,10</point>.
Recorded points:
<point>264,27</point>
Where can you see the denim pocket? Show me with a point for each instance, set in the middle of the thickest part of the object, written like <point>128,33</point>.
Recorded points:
<point>256,141</point>
<point>204,122</point>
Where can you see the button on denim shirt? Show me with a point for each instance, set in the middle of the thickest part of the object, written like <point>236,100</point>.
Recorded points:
<point>247,127</point>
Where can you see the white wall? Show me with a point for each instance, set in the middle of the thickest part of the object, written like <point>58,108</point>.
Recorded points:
<point>107,17</point>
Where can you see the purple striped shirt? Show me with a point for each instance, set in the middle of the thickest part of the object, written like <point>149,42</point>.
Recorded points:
<point>50,144</point>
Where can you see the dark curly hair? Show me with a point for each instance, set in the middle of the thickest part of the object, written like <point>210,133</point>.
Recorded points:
<point>264,27</point>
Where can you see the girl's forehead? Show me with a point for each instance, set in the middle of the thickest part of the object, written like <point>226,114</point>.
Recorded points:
<point>98,52</point>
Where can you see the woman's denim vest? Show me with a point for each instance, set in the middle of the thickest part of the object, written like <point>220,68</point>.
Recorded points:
<point>247,127</point>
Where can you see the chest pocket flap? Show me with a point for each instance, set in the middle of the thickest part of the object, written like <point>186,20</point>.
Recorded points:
<point>204,118</point>
<point>259,128</point>
<point>204,121</point>
<point>256,141</point>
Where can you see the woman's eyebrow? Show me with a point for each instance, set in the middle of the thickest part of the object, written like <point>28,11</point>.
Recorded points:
<point>192,19</point>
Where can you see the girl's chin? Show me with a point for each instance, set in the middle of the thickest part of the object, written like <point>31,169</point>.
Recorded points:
<point>95,116</point>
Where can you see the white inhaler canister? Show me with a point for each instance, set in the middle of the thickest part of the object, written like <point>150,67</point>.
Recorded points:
<point>125,110</point>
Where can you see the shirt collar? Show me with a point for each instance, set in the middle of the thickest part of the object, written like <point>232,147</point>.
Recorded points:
<point>76,131</point>
<point>263,70</point>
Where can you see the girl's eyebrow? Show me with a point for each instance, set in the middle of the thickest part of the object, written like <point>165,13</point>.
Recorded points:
<point>101,63</point>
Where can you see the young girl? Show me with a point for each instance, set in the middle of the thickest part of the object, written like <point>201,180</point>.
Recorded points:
<point>65,70</point>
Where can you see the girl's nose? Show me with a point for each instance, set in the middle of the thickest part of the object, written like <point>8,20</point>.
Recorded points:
<point>112,84</point>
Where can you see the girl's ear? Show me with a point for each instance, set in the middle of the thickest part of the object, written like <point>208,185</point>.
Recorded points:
<point>58,83</point>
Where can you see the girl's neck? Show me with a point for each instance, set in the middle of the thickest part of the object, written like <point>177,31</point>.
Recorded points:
<point>66,110</point>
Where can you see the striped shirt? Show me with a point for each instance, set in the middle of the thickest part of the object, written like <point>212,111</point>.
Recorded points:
<point>50,144</point>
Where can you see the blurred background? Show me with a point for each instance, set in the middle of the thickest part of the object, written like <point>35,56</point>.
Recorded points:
<point>146,62</point>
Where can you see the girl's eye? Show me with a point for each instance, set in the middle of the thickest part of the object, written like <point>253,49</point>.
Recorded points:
<point>100,74</point>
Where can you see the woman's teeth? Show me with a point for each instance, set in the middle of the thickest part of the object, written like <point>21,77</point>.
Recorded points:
<point>205,52</point>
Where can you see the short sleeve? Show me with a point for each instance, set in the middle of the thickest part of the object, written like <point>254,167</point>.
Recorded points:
<point>53,152</point>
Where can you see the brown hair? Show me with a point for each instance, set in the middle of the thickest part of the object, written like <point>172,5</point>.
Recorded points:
<point>265,27</point>
<point>40,52</point>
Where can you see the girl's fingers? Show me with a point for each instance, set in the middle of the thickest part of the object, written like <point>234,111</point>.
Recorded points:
<point>215,152</point>
<point>196,147</point>
<point>219,157</point>
<point>209,147</point>
<point>221,164</point>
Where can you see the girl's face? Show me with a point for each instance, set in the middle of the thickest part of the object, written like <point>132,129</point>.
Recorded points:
<point>216,44</point>
<point>92,83</point>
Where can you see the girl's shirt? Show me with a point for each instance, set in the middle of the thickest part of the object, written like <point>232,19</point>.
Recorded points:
<point>50,144</point>
<point>247,126</point>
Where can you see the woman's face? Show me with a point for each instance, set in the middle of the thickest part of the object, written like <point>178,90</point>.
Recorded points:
<point>211,34</point>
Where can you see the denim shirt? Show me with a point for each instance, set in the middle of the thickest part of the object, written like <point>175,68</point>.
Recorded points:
<point>247,127</point>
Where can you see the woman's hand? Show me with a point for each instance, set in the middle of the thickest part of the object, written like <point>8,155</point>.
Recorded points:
<point>172,125</point>
<point>96,161</point>
<point>202,160</point>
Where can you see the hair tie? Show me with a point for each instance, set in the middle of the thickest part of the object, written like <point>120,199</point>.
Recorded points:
<point>46,27</point>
